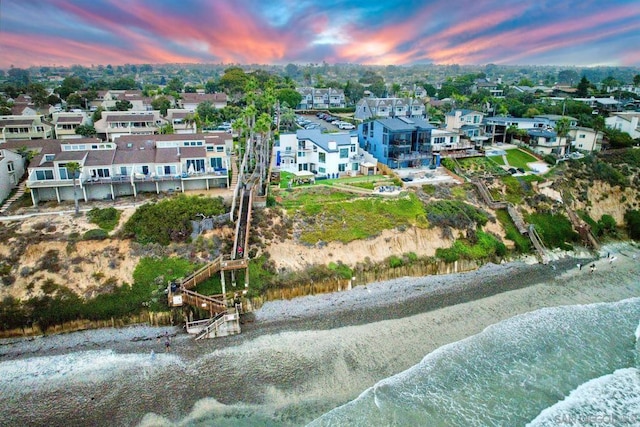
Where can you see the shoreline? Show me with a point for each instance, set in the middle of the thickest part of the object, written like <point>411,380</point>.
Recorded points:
<point>363,304</point>
<point>300,358</point>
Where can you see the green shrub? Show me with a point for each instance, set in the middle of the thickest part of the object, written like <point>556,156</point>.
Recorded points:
<point>632,220</point>
<point>341,269</point>
<point>555,230</point>
<point>95,234</point>
<point>455,213</point>
<point>395,261</point>
<point>107,218</point>
<point>170,220</point>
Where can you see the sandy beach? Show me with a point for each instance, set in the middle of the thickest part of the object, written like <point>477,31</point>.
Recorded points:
<point>296,359</point>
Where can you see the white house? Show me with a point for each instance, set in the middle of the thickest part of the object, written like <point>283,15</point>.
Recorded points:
<point>11,170</point>
<point>190,101</point>
<point>369,108</point>
<point>547,142</point>
<point>325,155</point>
<point>65,124</point>
<point>625,122</point>
<point>585,139</point>
<point>24,127</point>
<point>117,123</point>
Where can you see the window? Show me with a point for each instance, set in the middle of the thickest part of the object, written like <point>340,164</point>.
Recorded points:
<point>220,149</point>
<point>582,135</point>
<point>355,166</point>
<point>344,153</point>
<point>145,170</point>
<point>342,167</point>
<point>353,149</point>
<point>49,157</point>
<point>101,173</point>
<point>167,170</point>
<point>196,164</point>
<point>62,170</point>
<point>322,157</point>
<point>216,162</point>
<point>10,167</point>
<point>300,153</point>
<point>44,175</point>
<point>123,170</point>
<point>322,170</point>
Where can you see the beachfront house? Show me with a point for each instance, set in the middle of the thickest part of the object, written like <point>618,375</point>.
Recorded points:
<point>114,124</point>
<point>322,155</point>
<point>65,124</point>
<point>546,141</point>
<point>130,165</point>
<point>585,139</point>
<point>625,122</point>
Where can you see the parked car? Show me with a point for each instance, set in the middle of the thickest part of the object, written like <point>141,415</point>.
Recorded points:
<point>346,126</point>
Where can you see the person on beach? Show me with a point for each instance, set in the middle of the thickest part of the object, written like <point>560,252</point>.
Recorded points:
<point>579,266</point>
<point>167,344</point>
<point>593,268</point>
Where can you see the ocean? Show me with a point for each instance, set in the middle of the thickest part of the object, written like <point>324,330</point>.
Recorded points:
<point>573,365</point>
<point>570,365</point>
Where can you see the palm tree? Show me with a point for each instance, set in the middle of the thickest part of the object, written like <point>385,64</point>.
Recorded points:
<point>73,168</point>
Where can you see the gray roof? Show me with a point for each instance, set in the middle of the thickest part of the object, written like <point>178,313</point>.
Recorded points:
<point>99,157</point>
<point>131,118</point>
<point>322,139</point>
<point>406,124</point>
<point>69,119</point>
<point>541,133</point>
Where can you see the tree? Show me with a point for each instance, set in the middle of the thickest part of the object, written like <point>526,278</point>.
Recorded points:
<point>123,105</point>
<point>568,77</point>
<point>86,130</point>
<point>210,86</point>
<point>563,126</point>
<point>161,103</point>
<point>73,168</point>
<point>167,129</point>
<point>583,88</point>
<point>74,100</point>
<point>38,94</point>
<point>174,85</point>
<point>431,89</point>
<point>636,80</point>
<point>290,96</point>
<point>97,115</point>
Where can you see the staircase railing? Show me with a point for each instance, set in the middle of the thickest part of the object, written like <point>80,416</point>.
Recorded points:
<point>214,323</point>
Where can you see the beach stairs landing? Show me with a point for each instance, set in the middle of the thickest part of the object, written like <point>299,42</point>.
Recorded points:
<point>537,243</point>
<point>19,193</point>
<point>222,325</point>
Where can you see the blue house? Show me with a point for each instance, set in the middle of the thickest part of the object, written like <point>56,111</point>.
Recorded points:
<point>398,142</point>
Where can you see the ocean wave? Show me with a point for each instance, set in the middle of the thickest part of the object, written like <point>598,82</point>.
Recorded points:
<point>612,399</point>
<point>78,367</point>
<point>506,374</point>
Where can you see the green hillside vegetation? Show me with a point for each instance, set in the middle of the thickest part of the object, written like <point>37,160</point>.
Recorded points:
<point>357,218</point>
<point>170,220</point>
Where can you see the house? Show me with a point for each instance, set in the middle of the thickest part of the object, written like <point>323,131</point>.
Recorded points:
<point>370,108</point>
<point>182,120</point>
<point>130,165</point>
<point>11,170</point>
<point>468,122</point>
<point>544,141</point>
<point>117,123</point>
<point>400,142</point>
<point>605,104</point>
<point>625,122</point>
<point>320,99</point>
<point>496,127</point>
<point>108,99</point>
<point>585,139</point>
<point>65,124</point>
<point>492,87</point>
<point>190,101</point>
<point>24,127</point>
<point>325,155</point>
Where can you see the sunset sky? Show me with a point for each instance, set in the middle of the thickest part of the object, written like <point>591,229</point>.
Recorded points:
<point>544,32</point>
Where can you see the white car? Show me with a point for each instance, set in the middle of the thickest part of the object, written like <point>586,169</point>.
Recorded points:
<point>346,126</point>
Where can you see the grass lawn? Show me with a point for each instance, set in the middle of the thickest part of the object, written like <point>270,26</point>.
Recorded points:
<point>519,159</point>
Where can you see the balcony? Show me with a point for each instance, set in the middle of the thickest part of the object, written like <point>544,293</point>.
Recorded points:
<point>414,155</point>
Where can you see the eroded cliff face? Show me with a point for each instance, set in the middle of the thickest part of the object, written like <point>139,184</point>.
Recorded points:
<point>603,199</point>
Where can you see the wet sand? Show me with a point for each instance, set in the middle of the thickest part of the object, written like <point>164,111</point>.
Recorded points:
<point>297,359</point>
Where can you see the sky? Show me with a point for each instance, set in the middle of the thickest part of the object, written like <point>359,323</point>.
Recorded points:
<point>398,32</point>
